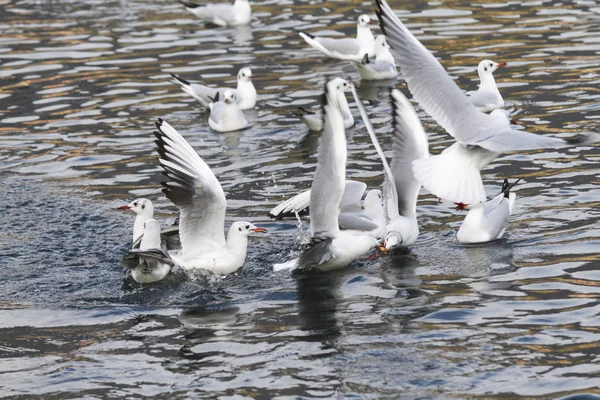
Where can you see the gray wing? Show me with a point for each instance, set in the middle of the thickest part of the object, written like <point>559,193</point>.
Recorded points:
<point>319,253</point>
<point>328,185</point>
<point>379,66</point>
<point>496,215</point>
<point>291,206</point>
<point>193,188</point>
<point>409,143</point>
<point>356,222</point>
<point>483,98</point>
<point>137,257</point>
<point>346,46</point>
<point>216,112</point>
<point>429,83</point>
<point>515,140</point>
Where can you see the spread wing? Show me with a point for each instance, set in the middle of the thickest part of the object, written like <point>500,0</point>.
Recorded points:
<point>193,188</point>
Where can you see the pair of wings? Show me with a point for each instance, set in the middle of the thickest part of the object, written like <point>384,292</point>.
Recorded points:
<point>194,189</point>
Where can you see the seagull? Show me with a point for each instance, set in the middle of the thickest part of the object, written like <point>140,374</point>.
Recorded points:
<point>384,66</point>
<point>226,116</point>
<point>144,211</point>
<point>150,263</point>
<point>346,48</point>
<point>487,98</point>
<point>221,14</point>
<point>454,174</point>
<point>401,189</point>
<point>245,92</point>
<point>486,222</point>
<point>331,248</point>
<point>198,195</point>
<point>367,218</point>
<point>314,119</point>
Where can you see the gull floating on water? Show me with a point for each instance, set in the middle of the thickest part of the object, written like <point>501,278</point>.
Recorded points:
<point>245,91</point>
<point>221,14</point>
<point>454,174</point>
<point>198,195</point>
<point>331,247</point>
<point>486,222</point>
<point>150,263</point>
<point>401,189</point>
<point>487,97</point>
<point>314,119</point>
<point>351,49</point>
<point>383,67</point>
<point>144,210</point>
<point>225,114</point>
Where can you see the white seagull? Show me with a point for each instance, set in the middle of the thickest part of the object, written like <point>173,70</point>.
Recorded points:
<point>487,97</point>
<point>221,14</point>
<point>368,218</point>
<point>225,114</point>
<point>245,91</point>
<point>383,67</point>
<point>331,248</point>
<point>314,119</point>
<point>150,263</point>
<point>401,189</point>
<point>144,210</point>
<point>454,174</point>
<point>198,195</point>
<point>486,222</point>
<point>351,49</point>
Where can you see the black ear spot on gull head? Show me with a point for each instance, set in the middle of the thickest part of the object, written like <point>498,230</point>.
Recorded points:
<point>240,229</point>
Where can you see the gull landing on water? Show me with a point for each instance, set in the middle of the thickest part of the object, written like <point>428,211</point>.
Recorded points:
<point>245,91</point>
<point>480,138</point>
<point>198,195</point>
<point>225,115</point>
<point>350,49</point>
<point>487,98</point>
<point>486,222</point>
<point>221,14</point>
<point>150,263</point>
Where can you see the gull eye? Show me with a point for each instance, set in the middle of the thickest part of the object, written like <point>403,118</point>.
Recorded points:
<point>247,226</point>
<point>491,65</point>
<point>135,204</point>
<point>345,84</point>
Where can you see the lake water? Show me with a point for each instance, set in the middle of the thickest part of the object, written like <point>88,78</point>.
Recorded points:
<point>83,83</point>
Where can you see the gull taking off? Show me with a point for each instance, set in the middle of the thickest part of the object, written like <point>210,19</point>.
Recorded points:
<point>331,248</point>
<point>221,14</point>
<point>487,97</point>
<point>454,174</point>
<point>225,115</point>
<point>245,91</point>
<point>486,222</point>
<point>198,195</point>
<point>383,67</point>
<point>351,49</point>
<point>150,263</point>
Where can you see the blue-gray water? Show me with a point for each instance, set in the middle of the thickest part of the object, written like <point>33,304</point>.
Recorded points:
<point>83,83</point>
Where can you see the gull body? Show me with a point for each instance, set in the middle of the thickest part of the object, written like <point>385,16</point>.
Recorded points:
<point>314,119</point>
<point>351,49</point>
<point>150,263</point>
<point>480,137</point>
<point>245,91</point>
<point>198,195</point>
<point>222,14</point>
<point>486,222</point>
<point>383,67</point>
<point>225,115</point>
<point>487,98</point>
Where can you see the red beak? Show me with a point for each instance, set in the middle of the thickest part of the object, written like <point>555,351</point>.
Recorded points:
<point>258,229</point>
<point>501,64</point>
<point>124,208</point>
<point>513,122</point>
<point>226,100</point>
<point>249,76</point>
<point>383,249</point>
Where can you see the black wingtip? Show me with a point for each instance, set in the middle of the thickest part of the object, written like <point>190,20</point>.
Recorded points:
<point>305,111</point>
<point>365,59</point>
<point>308,34</point>
<point>188,4</point>
<point>507,187</point>
<point>180,79</point>
<point>214,99</point>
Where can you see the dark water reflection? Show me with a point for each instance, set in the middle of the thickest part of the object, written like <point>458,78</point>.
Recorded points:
<point>83,82</point>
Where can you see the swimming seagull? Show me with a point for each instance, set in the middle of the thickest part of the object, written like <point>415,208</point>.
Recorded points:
<point>401,189</point>
<point>245,91</point>
<point>368,218</point>
<point>487,97</point>
<point>351,49</point>
<point>198,195</point>
<point>383,67</point>
<point>144,211</point>
<point>225,115</point>
<point>314,119</point>
<point>331,248</point>
<point>486,222</point>
<point>221,14</point>
<point>454,174</point>
<point>150,263</point>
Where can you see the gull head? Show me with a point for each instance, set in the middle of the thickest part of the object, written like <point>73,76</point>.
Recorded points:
<point>245,228</point>
<point>373,200</point>
<point>229,97</point>
<point>401,232</point>
<point>363,20</point>
<point>487,67</point>
<point>245,75</point>
<point>140,207</point>
<point>338,85</point>
<point>381,44</point>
